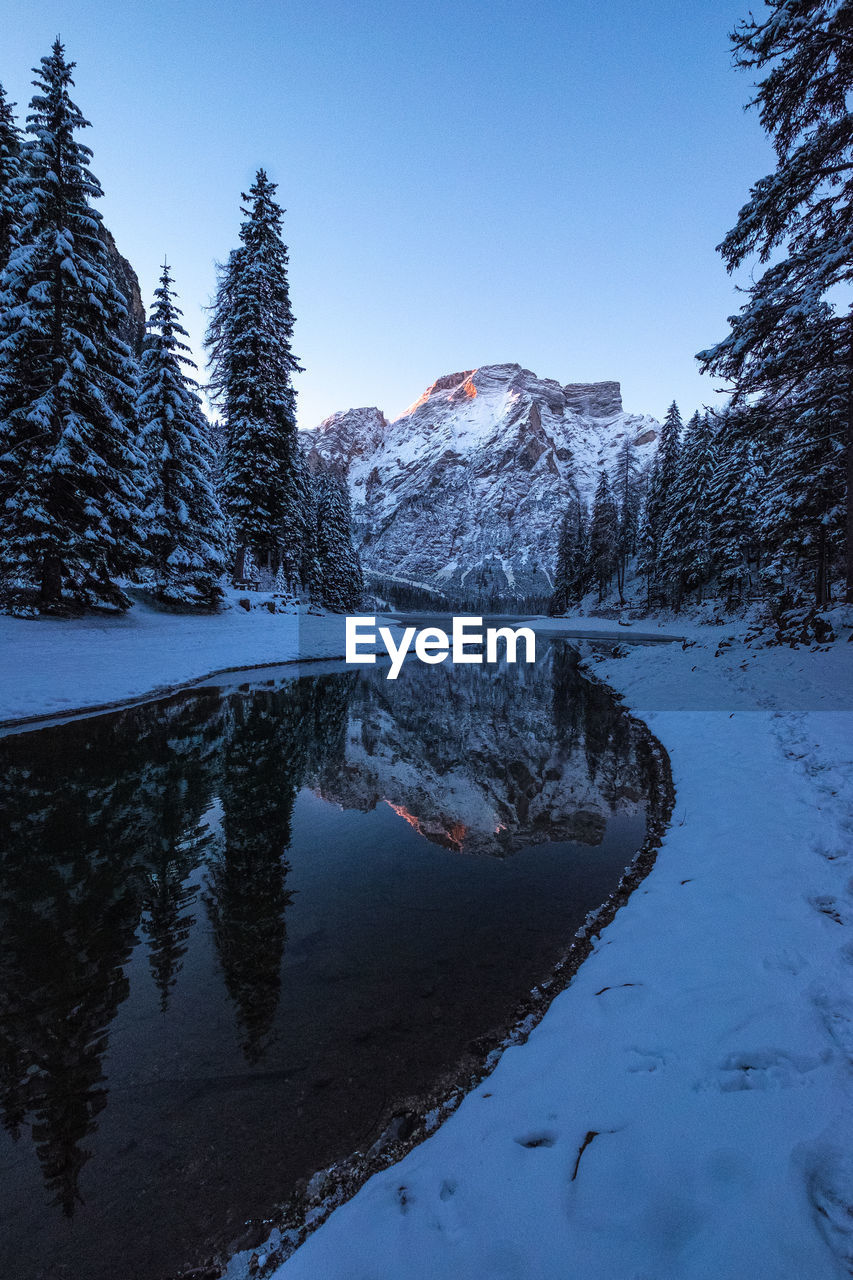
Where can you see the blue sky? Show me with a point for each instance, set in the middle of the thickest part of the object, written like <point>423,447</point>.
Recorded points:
<point>465,183</point>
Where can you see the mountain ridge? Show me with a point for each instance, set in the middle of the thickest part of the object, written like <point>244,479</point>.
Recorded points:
<point>463,493</point>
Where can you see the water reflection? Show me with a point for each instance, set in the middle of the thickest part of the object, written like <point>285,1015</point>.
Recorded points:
<point>490,766</point>
<point>172,833</point>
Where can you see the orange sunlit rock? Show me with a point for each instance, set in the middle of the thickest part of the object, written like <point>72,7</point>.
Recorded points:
<point>450,833</point>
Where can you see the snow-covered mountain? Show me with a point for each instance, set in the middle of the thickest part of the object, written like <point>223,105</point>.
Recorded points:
<point>463,493</point>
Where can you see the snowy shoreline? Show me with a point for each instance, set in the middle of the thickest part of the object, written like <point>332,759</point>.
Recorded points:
<point>80,666</point>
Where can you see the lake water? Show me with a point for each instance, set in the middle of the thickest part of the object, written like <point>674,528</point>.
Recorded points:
<point>242,926</point>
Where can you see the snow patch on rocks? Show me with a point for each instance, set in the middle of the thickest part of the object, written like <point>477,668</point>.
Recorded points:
<point>466,489</point>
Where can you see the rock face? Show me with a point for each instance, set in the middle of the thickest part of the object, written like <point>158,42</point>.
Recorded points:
<point>133,330</point>
<point>348,436</point>
<point>594,399</point>
<point>463,493</point>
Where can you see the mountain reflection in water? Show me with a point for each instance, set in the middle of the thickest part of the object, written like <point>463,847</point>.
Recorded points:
<point>236,926</point>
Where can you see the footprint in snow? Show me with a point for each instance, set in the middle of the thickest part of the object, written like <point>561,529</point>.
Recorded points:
<point>539,1138</point>
<point>827,906</point>
<point>831,852</point>
<point>404,1199</point>
<point>642,1060</point>
<point>829,1186</point>
<point>837,1015</point>
<point>766,1069</point>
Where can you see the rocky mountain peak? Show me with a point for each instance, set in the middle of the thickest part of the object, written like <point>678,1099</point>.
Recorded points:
<point>346,436</point>
<point>463,493</point>
<point>450,382</point>
<point>594,399</point>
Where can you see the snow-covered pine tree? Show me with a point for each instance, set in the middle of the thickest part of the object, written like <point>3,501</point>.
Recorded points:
<point>70,464</point>
<point>669,449</point>
<point>801,503</point>
<point>309,574</point>
<point>10,172</point>
<point>249,340</point>
<point>647,535</point>
<point>801,215</point>
<point>339,575</point>
<point>733,501</point>
<point>603,536</point>
<point>185,531</point>
<point>251,573</point>
<point>628,496</point>
<point>559,602</point>
<point>661,479</point>
<point>684,558</point>
<point>571,570</point>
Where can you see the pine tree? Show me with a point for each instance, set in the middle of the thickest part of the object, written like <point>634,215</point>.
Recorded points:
<point>309,571</point>
<point>647,549</point>
<point>627,492</point>
<point>571,571</point>
<point>603,536</point>
<point>801,504</point>
<point>661,480</point>
<point>801,216</point>
<point>10,175</point>
<point>249,339</point>
<point>185,526</point>
<point>70,465</point>
<point>733,504</point>
<point>340,580</point>
<point>559,601</point>
<point>669,449</point>
<point>684,562</point>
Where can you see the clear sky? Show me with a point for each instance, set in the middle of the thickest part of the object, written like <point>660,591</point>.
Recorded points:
<point>466,181</point>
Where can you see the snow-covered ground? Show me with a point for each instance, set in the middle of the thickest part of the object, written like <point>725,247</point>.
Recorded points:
<point>684,1111</point>
<point>48,666</point>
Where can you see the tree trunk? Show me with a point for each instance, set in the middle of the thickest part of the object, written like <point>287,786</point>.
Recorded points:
<point>240,563</point>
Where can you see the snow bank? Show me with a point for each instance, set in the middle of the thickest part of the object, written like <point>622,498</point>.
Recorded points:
<point>50,666</point>
<point>684,1111</point>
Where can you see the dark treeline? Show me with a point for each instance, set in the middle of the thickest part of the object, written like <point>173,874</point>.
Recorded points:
<point>396,593</point>
<point>754,499</point>
<point>110,472</point>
